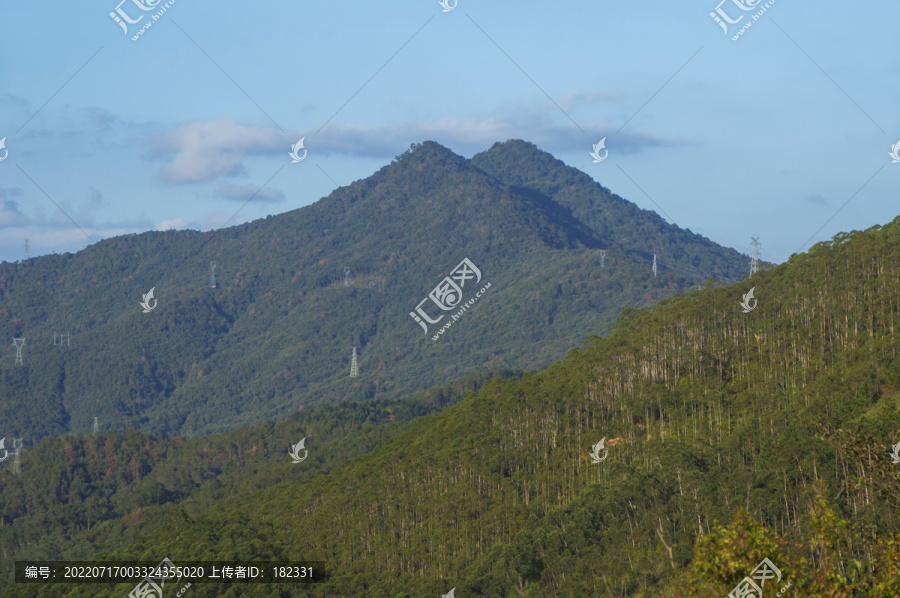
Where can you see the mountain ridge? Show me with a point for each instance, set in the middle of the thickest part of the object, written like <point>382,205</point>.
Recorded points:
<point>732,437</point>
<point>277,332</point>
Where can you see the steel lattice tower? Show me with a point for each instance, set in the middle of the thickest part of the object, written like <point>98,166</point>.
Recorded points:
<point>754,257</point>
<point>26,249</point>
<point>602,257</point>
<point>212,275</point>
<point>96,425</point>
<point>19,343</point>
<point>354,367</point>
<point>346,276</point>
<point>17,463</point>
<point>654,265</point>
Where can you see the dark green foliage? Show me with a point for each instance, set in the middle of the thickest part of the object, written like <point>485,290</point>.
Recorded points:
<point>79,495</point>
<point>732,437</point>
<point>277,333</point>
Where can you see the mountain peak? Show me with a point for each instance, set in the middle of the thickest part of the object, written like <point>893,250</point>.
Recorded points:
<point>519,150</point>
<point>431,153</point>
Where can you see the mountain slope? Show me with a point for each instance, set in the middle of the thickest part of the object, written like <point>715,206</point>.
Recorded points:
<point>787,412</point>
<point>80,495</point>
<point>615,222</point>
<point>278,331</point>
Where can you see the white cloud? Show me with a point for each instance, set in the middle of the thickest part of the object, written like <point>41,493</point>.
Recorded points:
<point>50,230</point>
<point>575,99</point>
<point>245,192</point>
<point>206,150</point>
<point>10,215</point>
<point>175,223</point>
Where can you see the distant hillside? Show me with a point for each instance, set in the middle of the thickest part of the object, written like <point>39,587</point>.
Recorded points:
<point>731,437</point>
<point>618,224</point>
<point>278,330</point>
<point>79,495</point>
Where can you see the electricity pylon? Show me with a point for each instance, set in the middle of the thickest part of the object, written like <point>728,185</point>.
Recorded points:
<point>19,343</point>
<point>754,257</point>
<point>17,463</point>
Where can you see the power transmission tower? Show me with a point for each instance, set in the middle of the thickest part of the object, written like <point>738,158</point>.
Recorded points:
<point>212,275</point>
<point>96,425</point>
<point>64,339</point>
<point>602,257</point>
<point>354,367</point>
<point>26,249</point>
<point>754,256</point>
<point>19,343</point>
<point>654,265</point>
<point>346,276</point>
<point>17,463</point>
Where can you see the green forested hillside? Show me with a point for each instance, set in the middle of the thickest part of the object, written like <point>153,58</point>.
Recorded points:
<point>732,437</point>
<point>278,330</point>
<point>79,495</point>
<point>616,223</point>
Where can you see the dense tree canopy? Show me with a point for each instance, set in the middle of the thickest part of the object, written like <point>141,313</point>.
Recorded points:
<point>278,330</point>
<point>732,437</point>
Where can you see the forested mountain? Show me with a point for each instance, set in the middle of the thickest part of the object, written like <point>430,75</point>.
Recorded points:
<point>732,436</point>
<point>78,495</point>
<point>277,332</point>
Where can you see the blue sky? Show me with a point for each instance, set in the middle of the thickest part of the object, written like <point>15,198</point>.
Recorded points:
<point>783,134</point>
